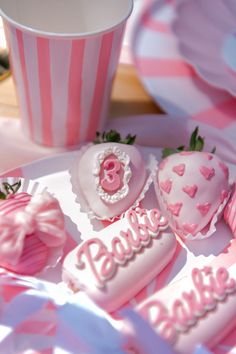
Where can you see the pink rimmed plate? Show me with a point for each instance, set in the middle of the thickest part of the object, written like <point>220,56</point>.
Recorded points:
<point>52,173</point>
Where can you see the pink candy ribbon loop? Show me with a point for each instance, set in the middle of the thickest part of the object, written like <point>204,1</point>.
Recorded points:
<point>42,216</point>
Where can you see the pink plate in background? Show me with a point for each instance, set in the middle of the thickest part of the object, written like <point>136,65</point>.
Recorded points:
<point>173,83</point>
<point>206,35</point>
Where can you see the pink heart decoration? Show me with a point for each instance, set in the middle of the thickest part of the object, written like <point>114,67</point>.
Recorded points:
<point>224,169</point>
<point>204,208</point>
<point>166,186</point>
<point>210,157</point>
<point>175,208</point>
<point>196,197</point>
<point>207,172</point>
<point>191,190</point>
<point>163,163</point>
<point>190,228</point>
<point>179,169</point>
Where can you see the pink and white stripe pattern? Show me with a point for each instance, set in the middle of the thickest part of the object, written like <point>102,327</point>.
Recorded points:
<point>17,202</point>
<point>63,85</point>
<point>170,80</point>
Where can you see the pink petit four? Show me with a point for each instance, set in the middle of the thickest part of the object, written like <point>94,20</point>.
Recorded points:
<point>32,231</point>
<point>192,188</point>
<point>109,176</point>
<point>197,309</point>
<point>124,257</point>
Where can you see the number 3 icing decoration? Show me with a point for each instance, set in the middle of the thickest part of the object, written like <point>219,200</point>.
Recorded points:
<point>112,174</point>
<point>111,181</point>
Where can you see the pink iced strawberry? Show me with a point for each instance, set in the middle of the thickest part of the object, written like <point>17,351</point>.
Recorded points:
<point>27,227</point>
<point>192,188</point>
<point>110,175</point>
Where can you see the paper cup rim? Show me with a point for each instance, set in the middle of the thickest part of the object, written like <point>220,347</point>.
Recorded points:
<point>69,35</point>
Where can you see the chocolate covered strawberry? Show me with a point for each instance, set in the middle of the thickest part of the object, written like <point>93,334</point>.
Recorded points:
<point>109,176</point>
<point>31,230</point>
<point>192,188</point>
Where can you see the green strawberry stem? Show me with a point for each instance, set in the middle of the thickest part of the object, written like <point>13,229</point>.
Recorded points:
<point>114,137</point>
<point>196,143</point>
<point>8,188</point>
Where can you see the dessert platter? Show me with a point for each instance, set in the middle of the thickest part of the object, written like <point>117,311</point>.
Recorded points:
<point>127,244</point>
<point>154,222</point>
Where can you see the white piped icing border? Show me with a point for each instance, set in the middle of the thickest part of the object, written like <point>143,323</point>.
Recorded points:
<point>125,160</point>
<point>150,166</point>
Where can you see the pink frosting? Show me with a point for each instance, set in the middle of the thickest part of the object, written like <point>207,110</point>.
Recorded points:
<point>199,187</point>
<point>179,169</point>
<point>175,208</point>
<point>207,172</point>
<point>113,266</point>
<point>166,186</point>
<point>190,190</point>
<point>187,313</point>
<point>204,208</point>
<point>111,180</point>
<point>33,258</point>
<point>122,248</point>
<point>29,226</point>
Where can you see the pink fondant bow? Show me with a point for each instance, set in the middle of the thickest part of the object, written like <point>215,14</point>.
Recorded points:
<point>42,216</point>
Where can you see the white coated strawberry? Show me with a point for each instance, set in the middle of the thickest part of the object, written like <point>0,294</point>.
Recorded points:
<point>109,176</point>
<point>190,188</point>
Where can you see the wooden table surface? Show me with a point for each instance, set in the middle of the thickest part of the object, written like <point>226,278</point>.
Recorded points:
<point>128,96</point>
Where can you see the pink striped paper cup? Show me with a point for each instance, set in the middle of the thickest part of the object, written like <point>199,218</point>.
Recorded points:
<point>64,55</point>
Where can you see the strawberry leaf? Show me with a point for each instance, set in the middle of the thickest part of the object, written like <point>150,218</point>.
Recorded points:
<point>16,186</point>
<point>193,139</point>
<point>180,148</point>
<point>196,143</point>
<point>2,195</point>
<point>129,139</point>
<point>113,137</point>
<point>199,144</point>
<point>9,189</point>
<point>168,151</point>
